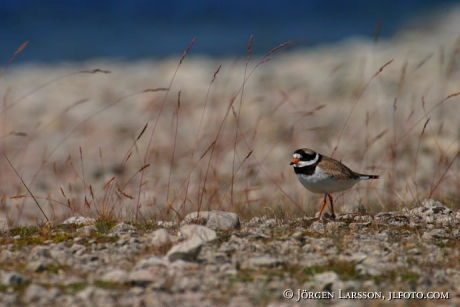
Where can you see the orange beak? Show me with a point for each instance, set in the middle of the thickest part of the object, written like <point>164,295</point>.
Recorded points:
<point>294,161</point>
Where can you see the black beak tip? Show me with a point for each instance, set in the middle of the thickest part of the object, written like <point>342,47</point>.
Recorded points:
<point>292,163</point>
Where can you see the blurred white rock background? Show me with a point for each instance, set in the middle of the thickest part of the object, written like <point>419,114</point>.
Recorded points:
<point>300,98</point>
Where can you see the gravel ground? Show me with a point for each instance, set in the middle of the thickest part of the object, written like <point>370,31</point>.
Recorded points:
<point>214,259</point>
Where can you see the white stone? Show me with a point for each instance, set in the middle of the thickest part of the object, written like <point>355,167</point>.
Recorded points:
<point>203,233</point>
<point>142,277</point>
<point>327,281</point>
<point>79,220</point>
<point>34,293</point>
<point>215,219</point>
<point>123,228</point>
<point>150,261</point>
<point>263,261</point>
<point>13,279</point>
<point>187,250</point>
<point>115,276</point>
<point>160,236</point>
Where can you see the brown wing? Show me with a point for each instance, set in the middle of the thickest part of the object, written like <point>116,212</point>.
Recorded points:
<point>337,169</point>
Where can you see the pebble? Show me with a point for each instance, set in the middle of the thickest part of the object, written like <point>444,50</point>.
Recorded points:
<point>203,233</point>
<point>79,220</point>
<point>432,211</point>
<point>435,234</point>
<point>216,220</point>
<point>150,261</point>
<point>13,279</point>
<point>122,228</point>
<point>142,277</point>
<point>160,236</point>
<point>4,225</point>
<point>263,261</point>
<point>36,266</point>
<point>392,218</point>
<point>187,250</point>
<point>327,281</point>
<point>36,293</point>
<point>115,276</point>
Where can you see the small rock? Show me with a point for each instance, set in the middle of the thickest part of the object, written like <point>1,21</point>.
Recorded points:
<point>365,270</point>
<point>115,276</point>
<point>259,235</point>
<point>7,255</point>
<point>455,233</point>
<point>9,299</point>
<point>352,257</point>
<point>414,252</point>
<point>149,261</point>
<point>87,230</point>
<point>363,219</point>
<point>325,216</point>
<point>223,220</point>
<point>77,249</point>
<point>215,219</point>
<point>198,217</point>
<point>131,299</point>
<point>432,210</point>
<point>437,233</point>
<point>167,224</point>
<point>431,206</point>
<point>372,261</point>
<point>86,294</point>
<point>41,252</point>
<point>103,297</point>
<point>317,227</point>
<point>345,217</point>
<point>137,291</point>
<point>34,293</point>
<point>160,236</point>
<point>327,281</point>
<point>263,261</point>
<point>392,218</point>
<point>13,279</point>
<point>187,250</point>
<point>333,227</point>
<point>256,221</point>
<point>297,235</point>
<point>53,293</point>
<point>271,222</point>
<point>36,266</point>
<point>186,284</point>
<point>4,225</point>
<point>123,228</point>
<point>59,256</point>
<point>357,226</point>
<point>79,220</point>
<point>181,266</point>
<point>201,232</point>
<point>142,278</point>
<point>238,301</point>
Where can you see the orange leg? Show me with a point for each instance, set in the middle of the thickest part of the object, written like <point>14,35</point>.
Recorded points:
<point>332,206</point>
<point>323,205</point>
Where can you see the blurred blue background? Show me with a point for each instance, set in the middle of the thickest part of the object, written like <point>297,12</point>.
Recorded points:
<point>75,30</point>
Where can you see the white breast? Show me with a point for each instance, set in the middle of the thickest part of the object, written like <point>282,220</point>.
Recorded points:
<point>322,183</point>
